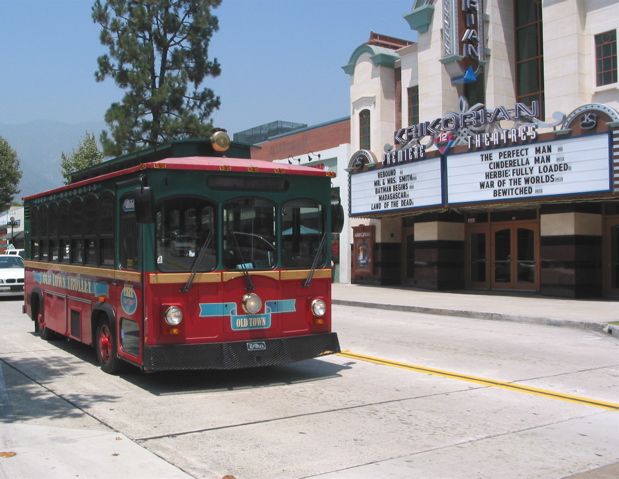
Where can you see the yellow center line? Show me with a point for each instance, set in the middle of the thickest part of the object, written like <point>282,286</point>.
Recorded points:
<point>484,381</point>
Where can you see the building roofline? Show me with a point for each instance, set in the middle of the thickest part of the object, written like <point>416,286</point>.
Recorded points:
<point>303,130</point>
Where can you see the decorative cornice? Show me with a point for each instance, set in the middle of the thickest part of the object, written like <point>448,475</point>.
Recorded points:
<point>380,57</point>
<point>420,18</point>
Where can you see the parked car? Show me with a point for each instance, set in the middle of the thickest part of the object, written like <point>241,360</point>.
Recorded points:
<point>11,275</point>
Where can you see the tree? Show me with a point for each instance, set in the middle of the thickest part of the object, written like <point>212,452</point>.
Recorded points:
<point>158,53</point>
<point>86,155</point>
<point>10,174</point>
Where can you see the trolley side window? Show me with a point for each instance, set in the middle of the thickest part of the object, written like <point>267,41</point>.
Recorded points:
<point>128,234</point>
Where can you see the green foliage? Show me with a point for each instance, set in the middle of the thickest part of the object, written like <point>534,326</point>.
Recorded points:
<point>86,155</point>
<point>158,53</point>
<point>10,174</point>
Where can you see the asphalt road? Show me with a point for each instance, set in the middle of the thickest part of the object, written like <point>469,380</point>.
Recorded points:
<point>334,417</point>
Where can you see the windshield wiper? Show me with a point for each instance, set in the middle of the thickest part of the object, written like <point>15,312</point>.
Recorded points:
<point>310,275</point>
<point>249,284</point>
<point>196,262</point>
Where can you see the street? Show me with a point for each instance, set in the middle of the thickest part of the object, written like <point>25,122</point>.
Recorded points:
<point>334,417</point>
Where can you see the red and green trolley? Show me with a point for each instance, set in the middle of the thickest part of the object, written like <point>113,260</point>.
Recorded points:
<point>179,257</point>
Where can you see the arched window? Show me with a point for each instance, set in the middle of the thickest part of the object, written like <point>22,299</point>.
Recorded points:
<point>106,228</point>
<point>90,225</point>
<point>64,219</point>
<point>529,53</point>
<point>77,241</point>
<point>364,130</point>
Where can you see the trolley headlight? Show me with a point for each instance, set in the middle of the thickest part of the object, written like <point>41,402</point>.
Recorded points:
<point>319,307</point>
<point>173,316</point>
<point>252,303</point>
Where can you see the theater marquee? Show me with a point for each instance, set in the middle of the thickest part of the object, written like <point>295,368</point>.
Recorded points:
<point>560,167</point>
<point>411,185</point>
<point>492,155</point>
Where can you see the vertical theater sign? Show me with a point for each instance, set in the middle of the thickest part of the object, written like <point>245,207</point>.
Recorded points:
<point>464,39</point>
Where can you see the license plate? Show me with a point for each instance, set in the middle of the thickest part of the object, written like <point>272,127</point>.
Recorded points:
<point>257,346</point>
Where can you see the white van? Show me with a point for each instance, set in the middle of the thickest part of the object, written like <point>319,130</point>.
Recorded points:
<point>15,251</point>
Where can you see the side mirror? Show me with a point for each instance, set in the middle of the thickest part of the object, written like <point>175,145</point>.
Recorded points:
<point>144,211</point>
<point>337,217</point>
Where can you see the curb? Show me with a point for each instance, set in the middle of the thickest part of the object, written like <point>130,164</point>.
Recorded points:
<point>598,327</point>
<point>612,329</point>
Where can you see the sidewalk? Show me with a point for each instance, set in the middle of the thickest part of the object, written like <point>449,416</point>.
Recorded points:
<point>594,314</point>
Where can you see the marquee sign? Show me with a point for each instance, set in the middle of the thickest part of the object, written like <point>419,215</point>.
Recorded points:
<point>406,186</point>
<point>503,160</point>
<point>473,120</point>
<point>560,167</point>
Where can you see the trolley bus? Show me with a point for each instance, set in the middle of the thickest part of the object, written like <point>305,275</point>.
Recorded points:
<point>181,257</point>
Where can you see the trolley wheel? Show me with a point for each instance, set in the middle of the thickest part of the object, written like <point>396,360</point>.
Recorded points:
<point>106,348</point>
<point>39,326</point>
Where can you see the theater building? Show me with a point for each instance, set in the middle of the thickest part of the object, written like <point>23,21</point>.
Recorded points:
<point>485,151</point>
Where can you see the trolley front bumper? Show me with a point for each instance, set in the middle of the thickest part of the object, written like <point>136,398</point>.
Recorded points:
<point>239,354</point>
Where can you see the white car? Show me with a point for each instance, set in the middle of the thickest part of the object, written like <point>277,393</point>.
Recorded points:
<point>15,251</point>
<point>11,275</point>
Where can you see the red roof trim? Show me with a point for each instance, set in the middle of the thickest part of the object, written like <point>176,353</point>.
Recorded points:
<point>197,163</point>
<point>236,165</point>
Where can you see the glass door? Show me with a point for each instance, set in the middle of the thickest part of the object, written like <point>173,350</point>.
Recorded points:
<point>525,258</point>
<point>408,255</point>
<point>502,264</point>
<point>477,256</point>
<point>515,255</point>
<point>611,257</point>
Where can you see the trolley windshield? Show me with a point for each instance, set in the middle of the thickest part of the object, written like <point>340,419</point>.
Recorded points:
<point>245,233</point>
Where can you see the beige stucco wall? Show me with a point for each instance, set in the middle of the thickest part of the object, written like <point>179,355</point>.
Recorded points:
<point>388,230</point>
<point>439,230</point>
<point>372,88</point>
<point>409,77</point>
<point>500,69</point>
<point>567,224</point>
<point>569,33</point>
<point>436,93</point>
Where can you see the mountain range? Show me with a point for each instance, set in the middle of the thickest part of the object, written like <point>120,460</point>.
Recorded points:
<point>39,145</point>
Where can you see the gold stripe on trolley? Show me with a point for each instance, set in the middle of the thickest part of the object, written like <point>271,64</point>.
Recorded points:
<point>173,278</point>
<point>303,273</point>
<point>85,270</point>
<point>229,275</point>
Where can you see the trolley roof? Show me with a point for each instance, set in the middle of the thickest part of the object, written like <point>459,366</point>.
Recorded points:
<point>177,156</point>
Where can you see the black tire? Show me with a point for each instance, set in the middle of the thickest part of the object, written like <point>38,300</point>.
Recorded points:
<point>34,312</point>
<point>39,326</point>
<point>105,344</point>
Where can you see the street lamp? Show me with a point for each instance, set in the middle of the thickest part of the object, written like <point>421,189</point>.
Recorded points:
<point>12,223</point>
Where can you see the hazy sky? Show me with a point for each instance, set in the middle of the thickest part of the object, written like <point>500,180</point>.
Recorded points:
<point>281,59</point>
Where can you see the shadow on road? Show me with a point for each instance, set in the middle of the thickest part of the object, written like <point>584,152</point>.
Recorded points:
<point>180,382</point>
<point>188,382</point>
<point>25,395</point>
